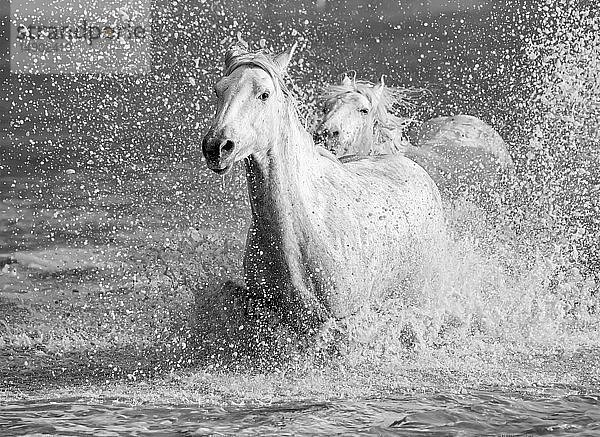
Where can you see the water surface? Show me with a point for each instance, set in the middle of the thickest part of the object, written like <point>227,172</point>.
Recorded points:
<point>474,414</point>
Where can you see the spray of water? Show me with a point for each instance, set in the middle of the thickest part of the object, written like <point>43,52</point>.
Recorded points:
<point>524,279</point>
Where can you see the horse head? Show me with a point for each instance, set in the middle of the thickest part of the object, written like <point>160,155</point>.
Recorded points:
<point>249,102</point>
<point>358,117</point>
<point>349,114</point>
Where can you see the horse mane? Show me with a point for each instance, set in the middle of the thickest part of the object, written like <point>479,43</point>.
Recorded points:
<point>384,104</point>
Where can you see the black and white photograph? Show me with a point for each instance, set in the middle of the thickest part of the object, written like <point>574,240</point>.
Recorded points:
<point>300,218</point>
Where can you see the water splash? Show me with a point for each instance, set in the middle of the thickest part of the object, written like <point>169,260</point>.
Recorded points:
<point>523,283</point>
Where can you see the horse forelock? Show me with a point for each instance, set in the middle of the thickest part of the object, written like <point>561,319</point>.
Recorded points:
<point>235,58</point>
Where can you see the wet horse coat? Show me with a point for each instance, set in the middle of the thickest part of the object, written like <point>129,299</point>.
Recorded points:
<point>326,238</point>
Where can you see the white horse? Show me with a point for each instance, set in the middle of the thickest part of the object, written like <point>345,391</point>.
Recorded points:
<point>326,238</point>
<point>461,153</point>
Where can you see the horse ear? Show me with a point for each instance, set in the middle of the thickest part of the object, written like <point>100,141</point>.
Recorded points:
<point>282,60</point>
<point>380,87</point>
<point>346,81</point>
<point>242,42</point>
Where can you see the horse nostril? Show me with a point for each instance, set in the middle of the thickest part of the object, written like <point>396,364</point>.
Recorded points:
<point>227,147</point>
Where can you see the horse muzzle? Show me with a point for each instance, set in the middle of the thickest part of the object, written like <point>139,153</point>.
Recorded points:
<point>327,137</point>
<point>219,153</point>
<point>320,137</point>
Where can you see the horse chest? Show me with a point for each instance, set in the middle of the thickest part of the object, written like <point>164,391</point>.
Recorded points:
<point>287,273</point>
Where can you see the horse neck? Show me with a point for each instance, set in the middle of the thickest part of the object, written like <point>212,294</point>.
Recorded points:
<point>280,180</point>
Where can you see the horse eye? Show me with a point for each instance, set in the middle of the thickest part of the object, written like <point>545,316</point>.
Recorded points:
<point>363,111</point>
<point>264,96</point>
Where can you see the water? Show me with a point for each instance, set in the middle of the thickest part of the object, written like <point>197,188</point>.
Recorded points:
<point>474,414</point>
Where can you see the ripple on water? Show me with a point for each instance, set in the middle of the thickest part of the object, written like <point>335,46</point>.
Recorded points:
<point>475,414</point>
